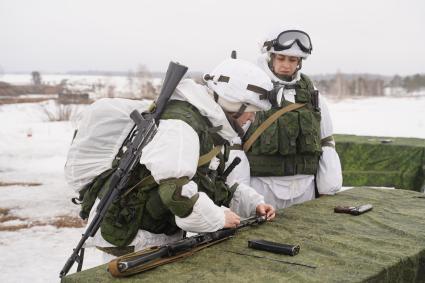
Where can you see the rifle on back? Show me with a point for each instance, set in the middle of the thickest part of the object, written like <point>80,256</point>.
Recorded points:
<point>142,133</point>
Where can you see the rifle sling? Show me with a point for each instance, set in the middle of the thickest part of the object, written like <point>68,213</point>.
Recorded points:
<point>204,159</point>
<point>149,180</point>
<point>247,145</point>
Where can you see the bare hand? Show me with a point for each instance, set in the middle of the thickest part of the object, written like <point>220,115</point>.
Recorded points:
<point>266,210</point>
<point>232,220</point>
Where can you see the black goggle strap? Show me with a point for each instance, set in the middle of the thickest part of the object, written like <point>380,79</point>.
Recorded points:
<point>269,44</point>
<point>278,47</point>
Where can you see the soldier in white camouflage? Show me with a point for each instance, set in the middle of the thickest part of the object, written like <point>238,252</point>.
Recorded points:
<point>294,158</point>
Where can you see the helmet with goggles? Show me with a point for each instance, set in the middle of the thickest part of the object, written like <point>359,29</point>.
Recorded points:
<point>295,43</point>
<point>239,86</point>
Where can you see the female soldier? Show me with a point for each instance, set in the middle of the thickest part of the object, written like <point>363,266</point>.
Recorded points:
<point>294,158</point>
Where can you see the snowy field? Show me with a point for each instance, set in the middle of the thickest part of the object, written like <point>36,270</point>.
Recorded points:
<point>35,205</point>
<point>95,85</point>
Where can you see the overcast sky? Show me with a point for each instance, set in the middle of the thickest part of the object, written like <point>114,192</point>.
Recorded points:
<point>357,36</point>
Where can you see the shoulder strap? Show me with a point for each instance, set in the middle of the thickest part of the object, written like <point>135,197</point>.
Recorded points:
<point>204,159</point>
<point>247,145</point>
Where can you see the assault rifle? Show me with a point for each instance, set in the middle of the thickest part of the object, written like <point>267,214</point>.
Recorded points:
<point>150,258</point>
<point>142,133</point>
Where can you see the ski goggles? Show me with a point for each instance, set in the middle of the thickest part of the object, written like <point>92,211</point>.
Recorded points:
<point>288,38</point>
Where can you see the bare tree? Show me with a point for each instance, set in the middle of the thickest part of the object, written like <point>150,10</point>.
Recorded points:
<point>36,77</point>
<point>55,112</point>
<point>130,81</point>
<point>143,72</point>
<point>145,87</point>
<point>111,91</point>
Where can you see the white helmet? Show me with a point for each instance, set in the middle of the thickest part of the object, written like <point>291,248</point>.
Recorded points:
<point>239,86</point>
<point>292,42</point>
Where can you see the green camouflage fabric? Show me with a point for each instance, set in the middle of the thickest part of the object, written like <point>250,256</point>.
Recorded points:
<point>383,162</point>
<point>290,145</point>
<point>386,244</point>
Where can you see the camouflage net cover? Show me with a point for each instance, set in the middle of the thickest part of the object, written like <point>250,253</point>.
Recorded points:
<point>386,244</point>
<point>383,162</point>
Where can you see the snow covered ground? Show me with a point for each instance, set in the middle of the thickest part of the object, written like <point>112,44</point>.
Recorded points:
<point>379,116</point>
<point>32,156</point>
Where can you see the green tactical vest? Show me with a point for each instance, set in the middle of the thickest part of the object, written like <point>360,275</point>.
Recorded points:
<point>152,207</point>
<point>291,145</point>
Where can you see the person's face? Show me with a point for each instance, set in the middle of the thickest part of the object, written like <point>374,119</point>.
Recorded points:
<point>285,65</point>
<point>245,117</point>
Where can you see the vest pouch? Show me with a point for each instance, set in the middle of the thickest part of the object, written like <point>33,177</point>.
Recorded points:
<point>157,218</point>
<point>206,185</point>
<point>224,193</point>
<point>216,189</point>
<point>307,164</point>
<point>123,219</point>
<point>309,137</point>
<point>90,192</point>
<point>155,207</point>
<point>288,133</point>
<point>269,140</point>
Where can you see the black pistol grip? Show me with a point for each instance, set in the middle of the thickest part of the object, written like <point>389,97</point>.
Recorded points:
<point>353,210</point>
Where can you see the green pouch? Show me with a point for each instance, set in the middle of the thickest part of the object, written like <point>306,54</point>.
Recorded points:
<point>216,189</point>
<point>157,217</point>
<point>309,138</point>
<point>91,192</point>
<point>205,184</point>
<point>224,193</point>
<point>288,133</point>
<point>269,140</point>
<point>155,207</point>
<point>123,219</point>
